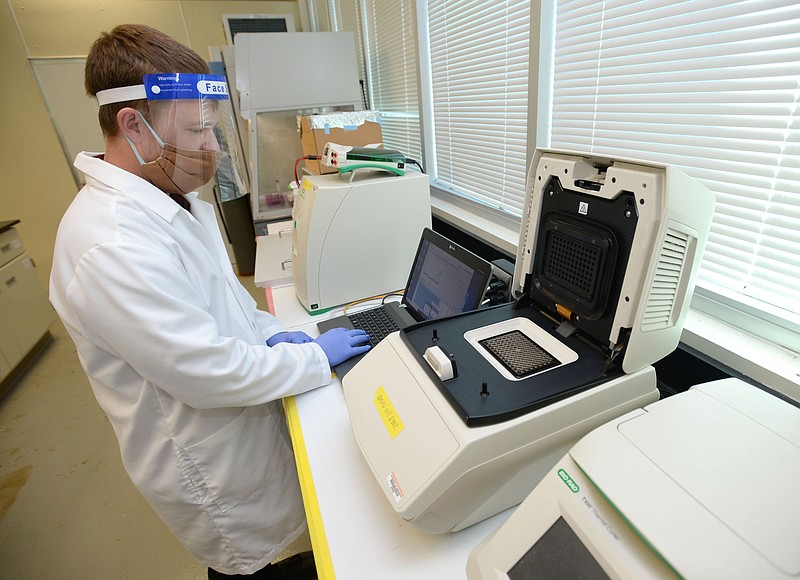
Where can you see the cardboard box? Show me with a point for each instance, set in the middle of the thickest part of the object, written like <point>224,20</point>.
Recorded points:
<point>354,128</point>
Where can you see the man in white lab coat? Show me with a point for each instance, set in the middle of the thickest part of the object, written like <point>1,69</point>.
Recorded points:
<point>187,369</point>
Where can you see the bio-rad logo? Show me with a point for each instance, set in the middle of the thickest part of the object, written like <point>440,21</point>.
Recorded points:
<point>565,477</point>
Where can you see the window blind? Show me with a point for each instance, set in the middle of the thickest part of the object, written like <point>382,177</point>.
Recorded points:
<point>393,85</point>
<point>346,17</point>
<point>319,15</point>
<point>386,47</point>
<point>714,88</point>
<point>479,80</point>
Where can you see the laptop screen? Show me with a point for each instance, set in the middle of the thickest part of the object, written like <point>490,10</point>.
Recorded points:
<point>445,279</point>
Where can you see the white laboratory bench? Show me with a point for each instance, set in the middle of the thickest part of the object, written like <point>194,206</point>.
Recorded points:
<point>354,531</point>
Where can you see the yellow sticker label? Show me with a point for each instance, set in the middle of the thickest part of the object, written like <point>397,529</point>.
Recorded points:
<point>388,413</point>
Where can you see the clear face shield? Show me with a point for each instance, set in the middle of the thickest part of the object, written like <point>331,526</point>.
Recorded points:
<point>191,119</point>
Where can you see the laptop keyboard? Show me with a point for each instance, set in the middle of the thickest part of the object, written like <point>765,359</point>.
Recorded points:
<point>376,322</point>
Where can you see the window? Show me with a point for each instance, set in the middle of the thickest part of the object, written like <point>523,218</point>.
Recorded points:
<point>479,61</point>
<point>714,88</point>
<point>393,73</point>
<point>475,89</point>
<point>346,17</point>
<point>319,15</point>
<point>387,49</point>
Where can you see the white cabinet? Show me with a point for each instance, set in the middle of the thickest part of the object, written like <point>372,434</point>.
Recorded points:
<point>25,311</point>
<point>274,256</point>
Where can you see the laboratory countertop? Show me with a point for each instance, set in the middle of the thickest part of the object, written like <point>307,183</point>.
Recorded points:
<point>354,531</point>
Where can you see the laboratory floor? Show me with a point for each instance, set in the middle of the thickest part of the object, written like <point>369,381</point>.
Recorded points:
<point>67,507</point>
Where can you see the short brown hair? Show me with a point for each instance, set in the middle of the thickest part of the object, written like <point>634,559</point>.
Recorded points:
<point>119,59</point>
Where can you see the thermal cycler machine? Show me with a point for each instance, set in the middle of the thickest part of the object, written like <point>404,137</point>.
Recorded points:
<point>697,485</point>
<point>354,238</point>
<point>460,418</point>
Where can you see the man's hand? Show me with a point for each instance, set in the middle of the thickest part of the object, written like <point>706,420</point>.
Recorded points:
<point>339,344</point>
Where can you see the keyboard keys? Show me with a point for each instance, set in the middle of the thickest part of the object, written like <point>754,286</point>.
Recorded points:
<point>376,322</point>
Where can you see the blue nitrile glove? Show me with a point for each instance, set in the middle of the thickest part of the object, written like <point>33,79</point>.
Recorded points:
<point>340,344</point>
<point>292,337</point>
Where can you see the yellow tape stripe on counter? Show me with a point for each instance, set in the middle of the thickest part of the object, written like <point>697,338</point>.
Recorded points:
<point>322,556</point>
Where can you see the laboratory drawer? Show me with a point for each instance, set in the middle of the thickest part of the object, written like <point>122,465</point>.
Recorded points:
<point>10,246</point>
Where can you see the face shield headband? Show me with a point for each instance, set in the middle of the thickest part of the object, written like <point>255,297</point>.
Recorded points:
<point>192,113</point>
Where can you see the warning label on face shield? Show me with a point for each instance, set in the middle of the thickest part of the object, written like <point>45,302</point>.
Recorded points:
<point>163,87</point>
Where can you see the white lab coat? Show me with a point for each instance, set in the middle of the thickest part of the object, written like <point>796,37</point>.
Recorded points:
<point>174,348</point>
